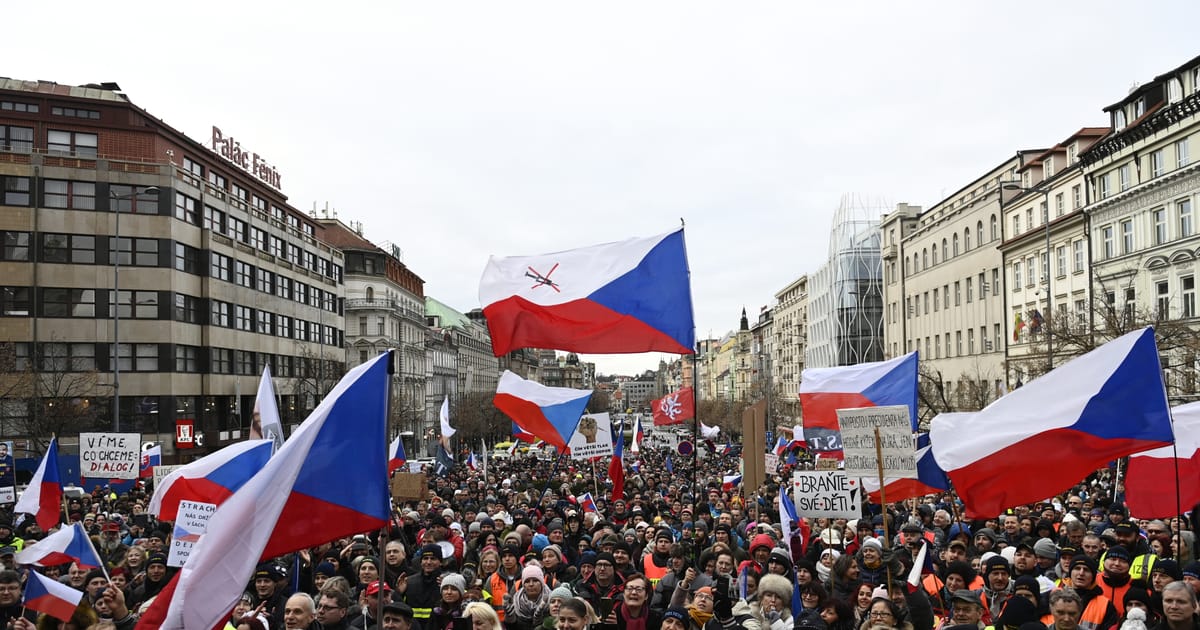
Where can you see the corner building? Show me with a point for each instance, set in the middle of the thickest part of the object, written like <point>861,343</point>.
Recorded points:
<point>218,275</point>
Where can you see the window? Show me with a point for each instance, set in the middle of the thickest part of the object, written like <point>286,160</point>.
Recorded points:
<point>68,302</point>
<point>310,261</point>
<point>15,301</point>
<point>970,292</point>
<point>243,362</point>
<point>73,112</point>
<point>1077,254</point>
<point>283,326</point>
<point>958,348</point>
<point>132,199</point>
<point>957,293</point>
<point>925,258</point>
<point>946,296</point>
<point>1181,153</point>
<point>967,240</point>
<point>135,304</point>
<point>1189,296</point>
<point>14,191</point>
<point>244,274</point>
<point>970,341</point>
<point>936,301</point>
<point>1184,207</point>
<point>1123,177</point>
<point>220,361</point>
<point>1060,205</point>
<point>1048,168</point>
<point>71,143</point>
<point>381,324</point>
<point>995,228</point>
<point>219,266</point>
<point>213,219</point>
<point>1030,272</point>
<point>934,248</point>
<point>1130,305</point>
<point>1157,163</point>
<point>293,254</point>
<point>1016,275</point>
<point>242,318</point>
<point>1162,299</point>
<point>1119,119</point>
<point>1060,260</point>
<point>1102,183</point>
<point>937,348</point>
<point>236,229</point>
<point>187,359</point>
<point>64,194</point>
<point>266,322</point>
<point>16,139</point>
<point>258,202</point>
<point>979,232</point>
<point>1174,90</point>
<point>1016,221</point>
<point>1045,267</point>
<point>68,357</point>
<point>72,248</point>
<point>220,314</point>
<point>1106,236</point>
<point>996,345</point>
<point>1159,216</point>
<point>1077,196</point>
<point>187,258</point>
<point>1029,218</point>
<point>236,190</point>
<point>283,287</point>
<point>217,180</point>
<point>15,246</point>
<point>193,167</point>
<point>276,246</point>
<point>1127,236</point>
<point>266,281</point>
<point>187,309</point>
<point>995,281</point>
<point>258,238</point>
<point>301,293</point>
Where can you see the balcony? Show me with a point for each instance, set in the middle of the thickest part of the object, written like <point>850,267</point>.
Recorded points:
<point>386,305</point>
<point>889,252</point>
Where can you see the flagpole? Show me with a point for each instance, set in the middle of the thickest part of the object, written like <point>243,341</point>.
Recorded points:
<point>553,472</point>
<point>695,438</point>
<point>887,543</point>
<point>383,532</point>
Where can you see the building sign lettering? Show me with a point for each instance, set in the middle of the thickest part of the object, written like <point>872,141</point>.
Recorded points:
<point>229,148</point>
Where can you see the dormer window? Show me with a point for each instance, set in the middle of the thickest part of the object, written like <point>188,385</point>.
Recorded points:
<point>1048,168</point>
<point>1174,90</point>
<point>1119,119</point>
<point>1025,179</point>
<point>1139,108</point>
<point>1072,153</point>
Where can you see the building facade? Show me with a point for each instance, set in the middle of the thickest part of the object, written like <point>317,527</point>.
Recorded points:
<point>845,307</point>
<point>149,264</point>
<point>790,329</point>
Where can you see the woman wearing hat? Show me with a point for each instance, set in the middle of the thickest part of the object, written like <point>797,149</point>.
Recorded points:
<point>773,609</point>
<point>454,600</point>
<point>702,606</point>
<point>528,607</point>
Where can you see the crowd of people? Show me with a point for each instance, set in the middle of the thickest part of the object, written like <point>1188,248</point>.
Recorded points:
<point>517,550</point>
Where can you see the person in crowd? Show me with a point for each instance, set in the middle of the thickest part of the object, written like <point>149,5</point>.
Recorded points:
<point>454,590</point>
<point>527,607</point>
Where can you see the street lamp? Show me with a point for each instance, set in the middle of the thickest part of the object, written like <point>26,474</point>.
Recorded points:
<point>116,353</point>
<point>1045,191</point>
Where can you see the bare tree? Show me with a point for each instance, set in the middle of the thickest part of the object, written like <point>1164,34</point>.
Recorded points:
<point>476,417</point>
<point>57,398</point>
<point>316,375</point>
<point>969,391</point>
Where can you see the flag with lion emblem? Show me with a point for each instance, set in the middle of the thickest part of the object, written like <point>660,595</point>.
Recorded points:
<point>674,408</point>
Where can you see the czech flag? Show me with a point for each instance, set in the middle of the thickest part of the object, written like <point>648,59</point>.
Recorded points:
<point>931,479</point>
<point>69,544</point>
<point>781,446</point>
<point>1100,406</point>
<point>587,502</point>
<point>630,296</point>
<point>1150,480</point>
<point>512,448</point>
<point>674,408</point>
<point>728,447</point>
<point>550,413</point>
<point>637,435</point>
<point>210,479</point>
<point>521,435</point>
<point>471,463</point>
<point>50,597</point>
<point>616,467</point>
<point>396,458</point>
<point>151,457</point>
<point>729,482</point>
<point>298,500</point>
<point>825,390</point>
<point>43,498</point>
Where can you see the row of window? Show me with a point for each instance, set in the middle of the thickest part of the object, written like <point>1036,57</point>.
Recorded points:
<point>160,305</point>
<point>1178,216</point>
<point>1157,163</point>
<point>153,357</point>
<point>216,180</point>
<point>922,304</point>
<point>932,347</point>
<point>1025,273</point>
<point>950,247</point>
<point>1060,209</point>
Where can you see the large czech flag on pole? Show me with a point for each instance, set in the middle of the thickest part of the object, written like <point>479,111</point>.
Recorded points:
<point>630,296</point>
<point>1046,436</point>
<point>43,498</point>
<point>930,478</point>
<point>550,413</point>
<point>298,500</point>
<point>47,596</point>
<point>210,479</point>
<point>825,390</point>
<point>1150,481</point>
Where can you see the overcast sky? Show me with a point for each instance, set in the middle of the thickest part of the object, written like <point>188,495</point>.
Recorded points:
<point>461,129</point>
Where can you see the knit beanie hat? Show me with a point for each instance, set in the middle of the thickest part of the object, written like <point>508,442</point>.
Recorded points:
<point>532,571</point>
<point>873,543</point>
<point>326,569</point>
<point>455,580</point>
<point>562,592</point>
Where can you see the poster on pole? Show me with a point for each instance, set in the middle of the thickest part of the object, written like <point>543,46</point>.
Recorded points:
<point>110,455</point>
<point>826,494</point>
<point>161,471</point>
<point>895,439</point>
<point>592,438</point>
<point>772,463</point>
<point>8,474</point>
<point>190,524</point>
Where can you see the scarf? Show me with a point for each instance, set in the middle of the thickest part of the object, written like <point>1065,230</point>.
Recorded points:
<point>699,616</point>
<point>822,570</point>
<point>529,609</point>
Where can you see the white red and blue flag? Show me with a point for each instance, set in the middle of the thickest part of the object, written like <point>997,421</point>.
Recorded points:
<point>43,498</point>
<point>1098,407</point>
<point>629,296</point>
<point>396,457</point>
<point>930,477</point>
<point>587,503</point>
<point>729,482</point>
<point>1150,483</point>
<point>50,597</point>
<point>69,544</point>
<point>616,467</point>
<point>151,457</point>
<point>472,463</point>
<point>210,479</point>
<point>550,413</point>
<point>825,390</point>
<point>298,500</point>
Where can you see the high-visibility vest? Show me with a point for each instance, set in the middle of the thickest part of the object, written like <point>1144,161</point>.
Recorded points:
<point>1116,594</point>
<point>655,573</point>
<point>497,587</point>
<point>1141,567</point>
<point>1093,615</point>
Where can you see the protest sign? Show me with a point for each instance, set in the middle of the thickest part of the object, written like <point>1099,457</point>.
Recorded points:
<point>895,438</point>
<point>772,463</point>
<point>826,494</point>
<point>592,438</point>
<point>190,524</point>
<point>161,471</point>
<point>109,455</point>
<point>8,474</point>
<point>409,486</point>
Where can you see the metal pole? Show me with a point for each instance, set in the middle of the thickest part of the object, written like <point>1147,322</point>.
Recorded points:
<point>116,414</point>
<point>1049,295</point>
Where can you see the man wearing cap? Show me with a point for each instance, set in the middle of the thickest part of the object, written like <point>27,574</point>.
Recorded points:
<point>985,540</point>
<point>998,586</point>
<point>657,564</point>
<point>373,592</point>
<point>7,538</point>
<point>1114,581</point>
<point>666,586</point>
<point>110,548</point>
<point>397,616</point>
<point>155,579</point>
<point>1098,610</point>
<point>1191,575</point>
<point>1024,561</point>
<point>266,589</point>
<point>965,610</point>
<point>422,591</point>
